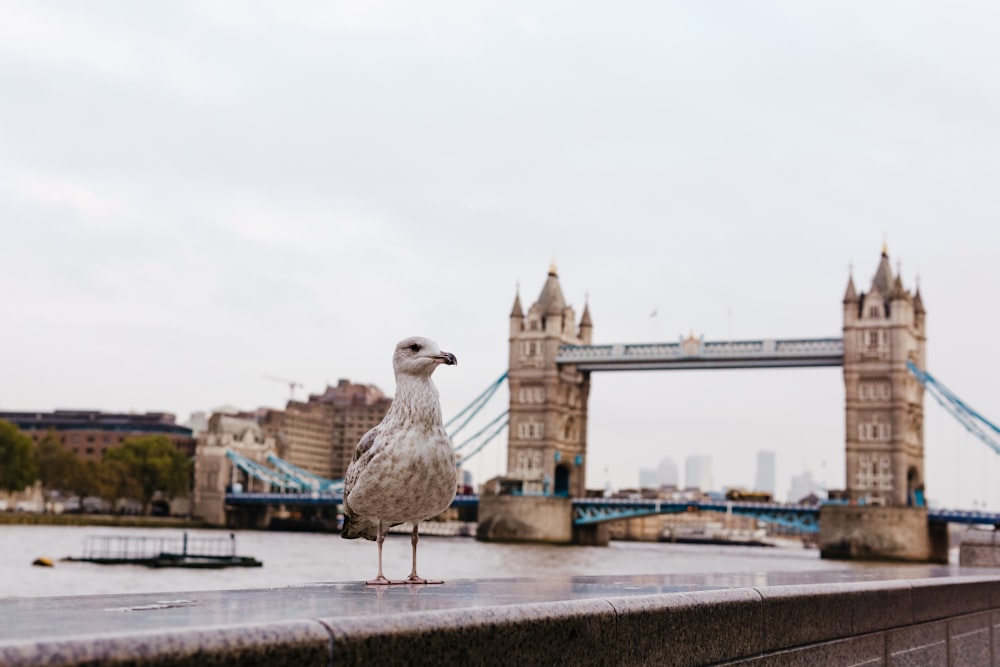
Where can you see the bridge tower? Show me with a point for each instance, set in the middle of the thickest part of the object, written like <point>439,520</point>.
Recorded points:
<point>883,328</point>
<point>547,439</point>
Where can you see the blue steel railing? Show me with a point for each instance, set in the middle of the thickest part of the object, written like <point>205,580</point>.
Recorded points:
<point>803,517</point>
<point>588,511</point>
<point>968,517</point>
<point>315,498</point>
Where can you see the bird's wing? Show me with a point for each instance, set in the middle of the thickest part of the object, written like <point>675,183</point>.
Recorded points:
<point>356,525</point>
<point>362,454</point>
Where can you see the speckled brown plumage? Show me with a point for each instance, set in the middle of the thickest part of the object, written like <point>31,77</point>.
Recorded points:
<point>403,469</point>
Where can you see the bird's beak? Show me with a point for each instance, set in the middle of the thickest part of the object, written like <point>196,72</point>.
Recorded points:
<point>447,358</point>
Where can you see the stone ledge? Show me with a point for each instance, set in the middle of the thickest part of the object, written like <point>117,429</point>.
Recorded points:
<point>587,621</point>
<point>688,628</point>
<point>579,632</point>
<point>979,548</point>
<point>282,643</point>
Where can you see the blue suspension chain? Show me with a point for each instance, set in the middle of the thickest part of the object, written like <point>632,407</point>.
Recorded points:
<point>973,422</point>
<point>482,430</point>
<point>483,443</point>
<point>478,403</point>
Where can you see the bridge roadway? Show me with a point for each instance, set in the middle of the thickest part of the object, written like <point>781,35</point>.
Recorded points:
<point>697,353</point>
<point>588,511</point>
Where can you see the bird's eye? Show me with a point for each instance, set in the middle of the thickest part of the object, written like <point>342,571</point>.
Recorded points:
<point>414,347</point>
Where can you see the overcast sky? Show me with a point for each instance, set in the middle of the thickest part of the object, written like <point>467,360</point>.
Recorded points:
<point>194,194</point>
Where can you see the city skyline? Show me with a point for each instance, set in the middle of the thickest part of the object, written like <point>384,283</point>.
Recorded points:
<point>765,478</point>
<point>198,195</point>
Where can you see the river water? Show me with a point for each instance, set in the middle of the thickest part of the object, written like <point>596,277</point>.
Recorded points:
<point>301,558</point>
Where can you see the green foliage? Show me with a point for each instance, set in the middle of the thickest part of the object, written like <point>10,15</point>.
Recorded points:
<point>110,480</point>
<point>138,468</point>
<point>58,467</point>
<point>17,469</point>
<point>147,464</point>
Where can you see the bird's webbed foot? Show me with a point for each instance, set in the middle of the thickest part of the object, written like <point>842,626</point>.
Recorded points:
<point>414,579</point>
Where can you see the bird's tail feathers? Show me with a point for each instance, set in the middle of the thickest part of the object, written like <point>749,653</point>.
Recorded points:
<point>356,526</point>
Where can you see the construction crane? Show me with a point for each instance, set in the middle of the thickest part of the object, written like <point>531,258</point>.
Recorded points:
<point>292,384</point>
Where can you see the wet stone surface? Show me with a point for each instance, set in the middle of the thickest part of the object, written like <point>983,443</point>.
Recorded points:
<point>473,620</point>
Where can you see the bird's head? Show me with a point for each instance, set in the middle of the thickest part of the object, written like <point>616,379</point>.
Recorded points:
<point>419,356</point>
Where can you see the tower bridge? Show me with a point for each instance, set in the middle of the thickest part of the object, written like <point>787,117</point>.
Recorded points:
<point>552,358</point>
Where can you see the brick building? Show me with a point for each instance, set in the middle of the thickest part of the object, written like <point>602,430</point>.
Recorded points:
<point>321,434</point>
<point>88,433</point>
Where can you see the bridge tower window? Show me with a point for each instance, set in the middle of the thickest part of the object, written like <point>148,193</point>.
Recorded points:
<point>874,472</point>
<point>875,431</point>
<point>531,348</point>
<point>885,473</point>
<point>532,394</point>
<point>874,391</point>
<point>530,430</point>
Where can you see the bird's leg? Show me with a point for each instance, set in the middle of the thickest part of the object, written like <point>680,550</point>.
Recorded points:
<point>380,579</point>
<point>413,578</point>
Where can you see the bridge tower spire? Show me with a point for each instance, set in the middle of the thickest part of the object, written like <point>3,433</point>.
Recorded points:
<point>883,328</point>
<point>547,436</point>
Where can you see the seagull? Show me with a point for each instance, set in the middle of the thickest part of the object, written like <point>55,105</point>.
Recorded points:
<point>404,468</point>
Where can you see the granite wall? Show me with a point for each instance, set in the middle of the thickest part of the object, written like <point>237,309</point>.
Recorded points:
<point>946,621</point>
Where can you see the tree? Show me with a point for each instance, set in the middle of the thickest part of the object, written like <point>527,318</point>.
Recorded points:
<point>17,470</point>
<point>58,466</point>
<point>153,464</point>
<point>108,479</point>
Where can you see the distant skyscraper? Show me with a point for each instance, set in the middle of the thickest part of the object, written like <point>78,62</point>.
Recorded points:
<point>765,472</point>
<point>466,481</point>
<point>698,473</point>
<point>665,475</point>
<point>198,423</point>
<point>802,486</point>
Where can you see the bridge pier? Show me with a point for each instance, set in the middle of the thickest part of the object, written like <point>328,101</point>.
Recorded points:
<point>546,519</point>
<point>593,535</point>
<point>248,517</point>
<point>868,532</point>
<point>543,519</point>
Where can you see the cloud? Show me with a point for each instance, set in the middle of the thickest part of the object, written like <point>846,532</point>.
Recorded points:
<point>215,189</point>
<point>33,32</point>
<point>80,201</point>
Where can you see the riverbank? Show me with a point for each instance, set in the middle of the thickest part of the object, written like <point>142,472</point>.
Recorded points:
<point>112,520</point>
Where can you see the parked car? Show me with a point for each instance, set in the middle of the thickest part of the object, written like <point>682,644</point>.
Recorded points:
<point>28,506</point>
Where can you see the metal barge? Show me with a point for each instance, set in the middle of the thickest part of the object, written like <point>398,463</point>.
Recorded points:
<point>195,552</point>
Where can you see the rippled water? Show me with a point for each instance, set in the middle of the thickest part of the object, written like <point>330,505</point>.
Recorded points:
<point>298,558</point>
